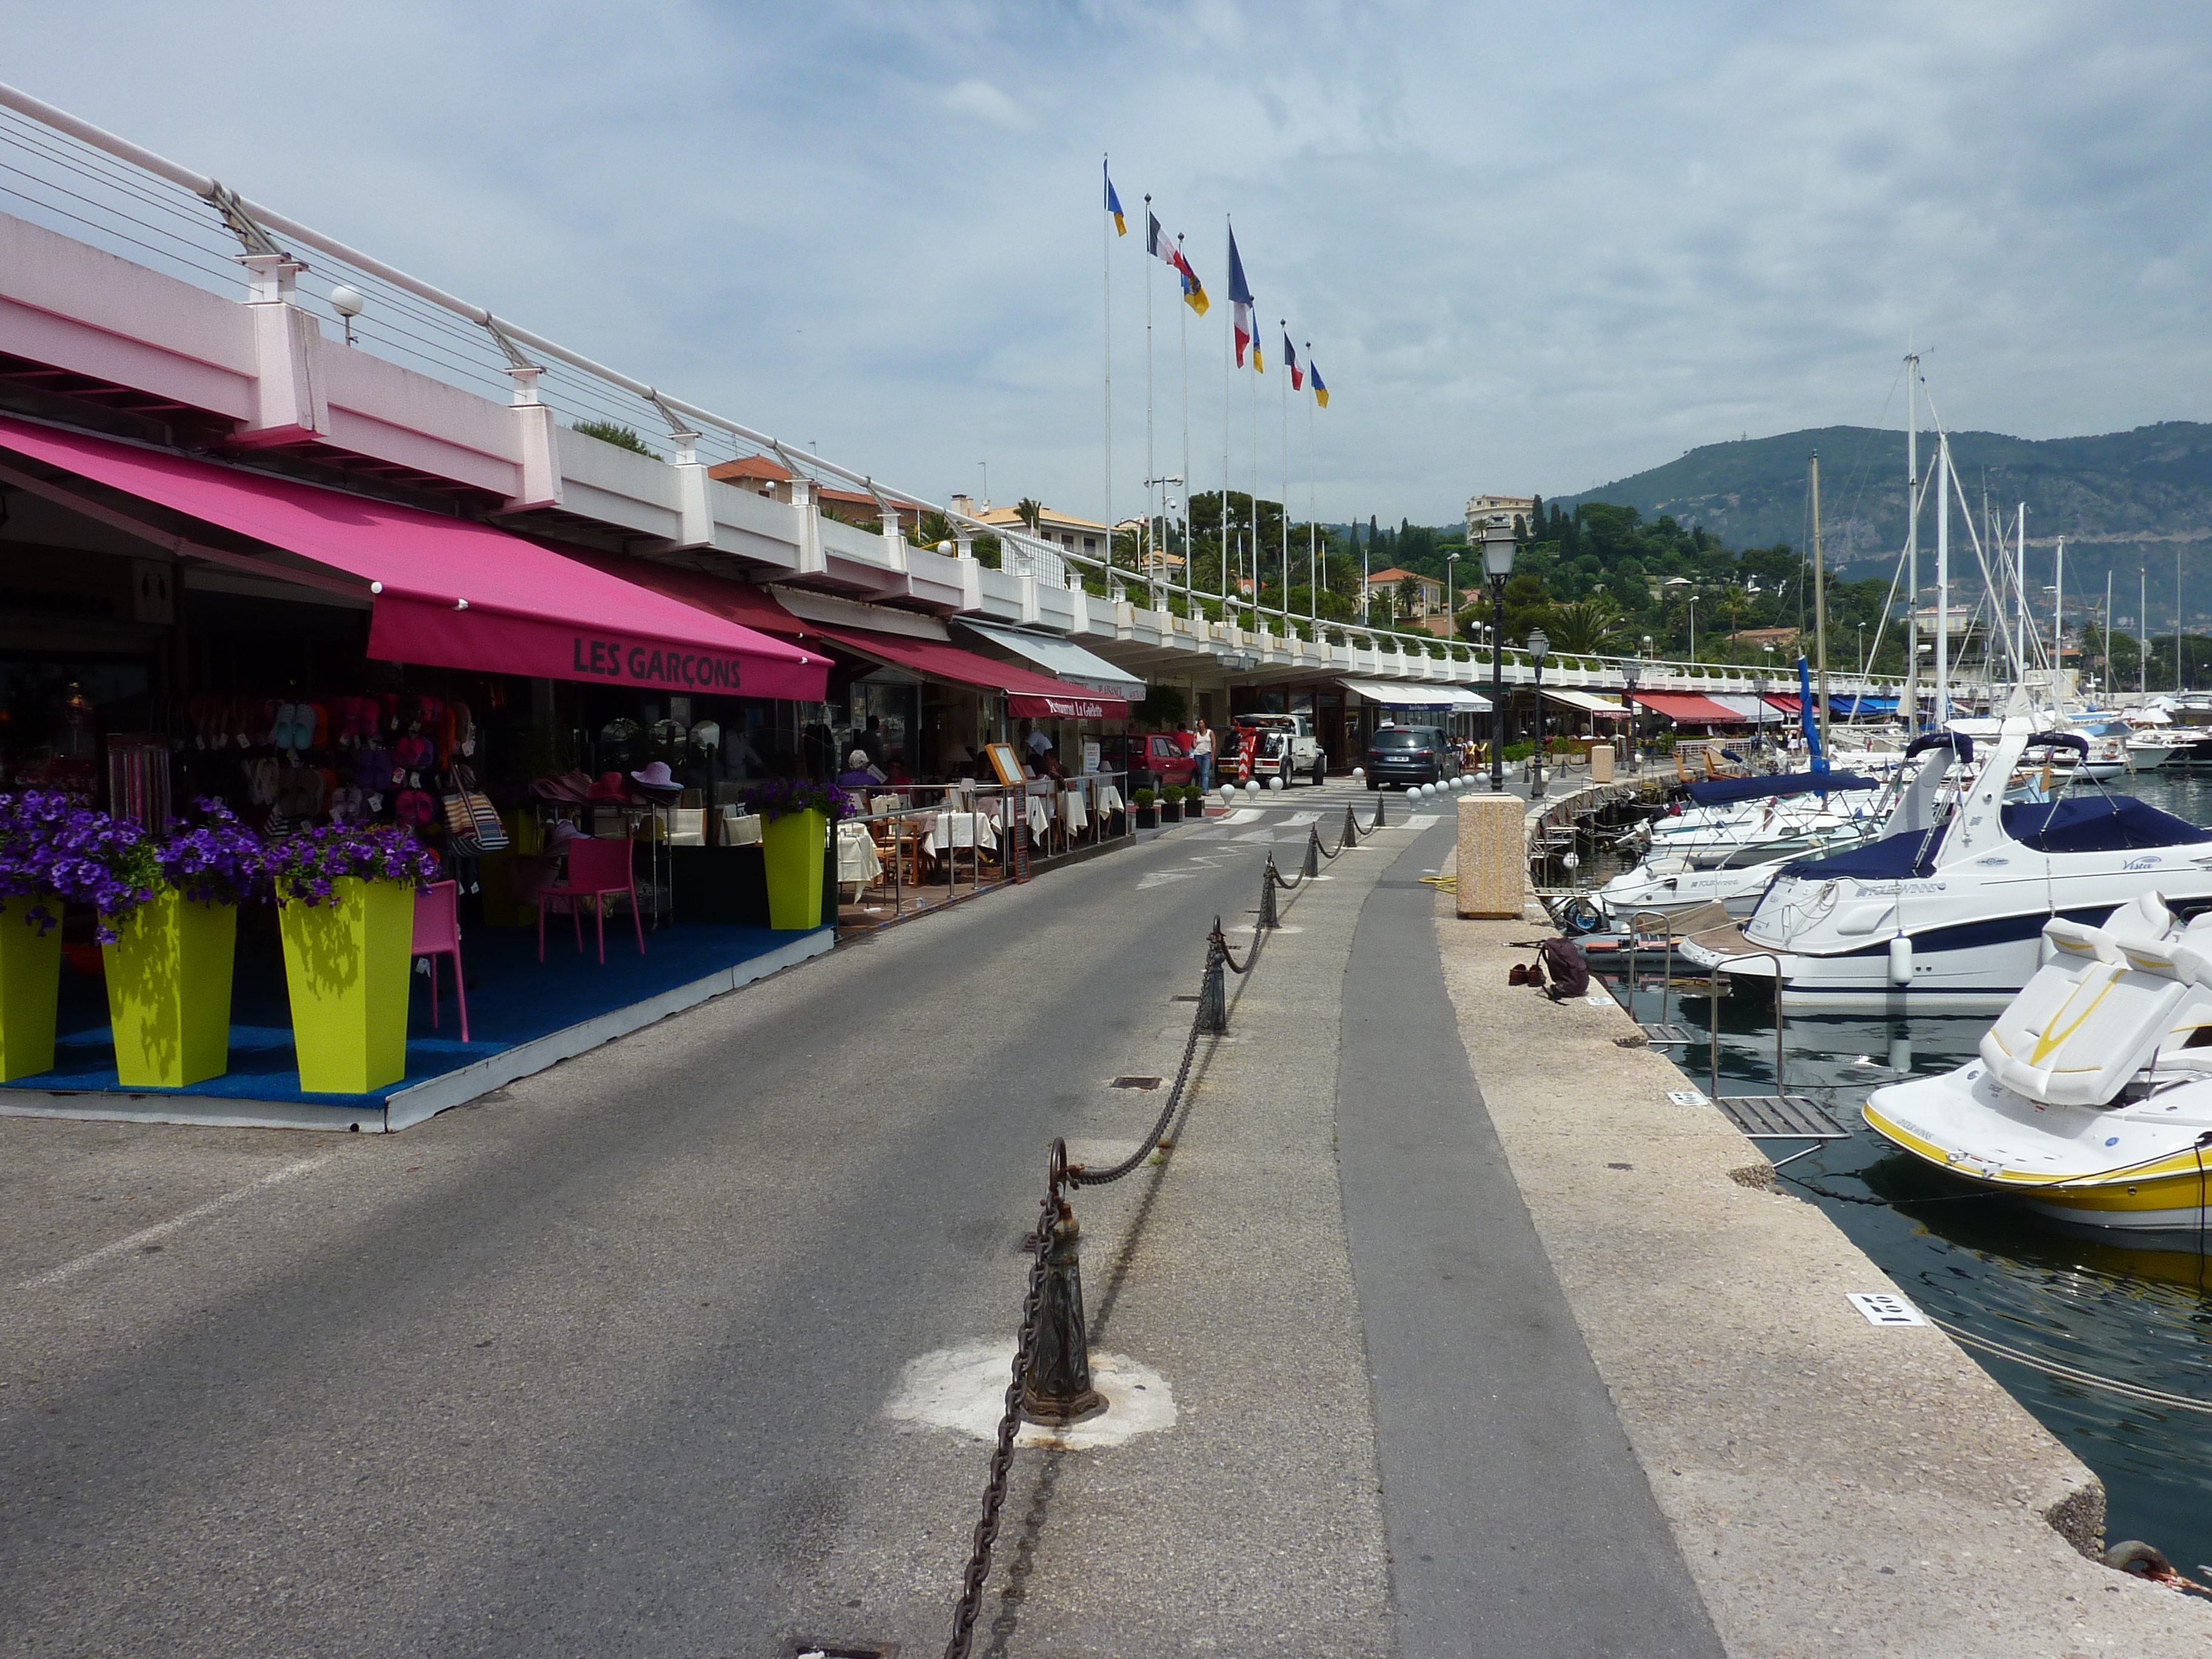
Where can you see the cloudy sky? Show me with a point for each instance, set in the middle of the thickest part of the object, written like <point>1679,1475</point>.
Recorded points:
<point>1533,247</point>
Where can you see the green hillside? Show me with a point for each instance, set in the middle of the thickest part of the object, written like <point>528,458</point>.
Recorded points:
<point>2124,501</point>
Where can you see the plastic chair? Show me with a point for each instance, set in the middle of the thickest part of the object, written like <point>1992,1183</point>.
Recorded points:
<point>598,869</point>
<point>438,934</point>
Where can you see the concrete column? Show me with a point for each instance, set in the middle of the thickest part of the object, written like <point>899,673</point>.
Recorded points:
<point>812,559</point>
<point>538,443</point>
<point>1493,862</point>
<point>290,405</point>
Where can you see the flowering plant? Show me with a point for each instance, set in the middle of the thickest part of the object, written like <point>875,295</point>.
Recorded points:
<point>305,866</point>
<point>217,861</point>
<point>775,797</point>
<point>49,845</point>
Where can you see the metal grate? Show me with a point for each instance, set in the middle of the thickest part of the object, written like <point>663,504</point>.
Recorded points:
<point>1655,1032</point>
<point>841,1651</point>
<point>1146,1082</point>
<point>1781,1117</point>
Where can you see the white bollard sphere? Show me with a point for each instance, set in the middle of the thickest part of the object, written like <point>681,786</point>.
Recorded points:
<point>1252,788</point>
<point>1227,793</point>
<point>1424,790</point>
<point>1275,785</point>
<point>1359,771</point>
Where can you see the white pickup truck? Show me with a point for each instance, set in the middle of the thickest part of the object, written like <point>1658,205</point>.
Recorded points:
<point>1283,746</point>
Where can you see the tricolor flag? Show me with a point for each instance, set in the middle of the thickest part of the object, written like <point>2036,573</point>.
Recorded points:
<point>1113,202</point>
<point>1157,243</point>
<point>1193,291</point>
<point>1290,362</point>
<point>1321,392</point>
<point>1240,300</point>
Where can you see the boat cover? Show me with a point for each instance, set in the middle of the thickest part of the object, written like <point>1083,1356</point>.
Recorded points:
<point>1891,858</point>
<point>2091,823</point>
<point>1719,792</point>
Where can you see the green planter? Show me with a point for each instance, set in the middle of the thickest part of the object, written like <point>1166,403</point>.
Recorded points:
<point>794,847</point>
<point>168,991</point>
<point>30,983</point>
<point>345,966</point>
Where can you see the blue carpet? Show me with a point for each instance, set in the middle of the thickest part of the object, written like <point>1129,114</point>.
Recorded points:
<point>512,998</point>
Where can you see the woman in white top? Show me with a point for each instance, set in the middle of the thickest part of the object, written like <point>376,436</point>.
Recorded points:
<point>1202,749</point>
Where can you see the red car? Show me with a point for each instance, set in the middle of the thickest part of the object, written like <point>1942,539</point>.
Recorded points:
<point>1160,754</point>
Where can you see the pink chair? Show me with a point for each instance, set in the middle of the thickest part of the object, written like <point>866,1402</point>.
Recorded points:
<point>438,934</point>
<point>598,868</point>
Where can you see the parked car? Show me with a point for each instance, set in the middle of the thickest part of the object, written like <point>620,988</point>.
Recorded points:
<point>1284,746</point>
<point>1154,760</point>
<point>1407,755</point>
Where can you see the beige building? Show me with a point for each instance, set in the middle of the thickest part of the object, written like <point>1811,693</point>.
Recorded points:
<point>1062,530</point>
<point>1481,509</point>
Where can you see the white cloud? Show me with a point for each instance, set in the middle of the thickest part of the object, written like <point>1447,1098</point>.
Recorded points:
<point>1531,247</point>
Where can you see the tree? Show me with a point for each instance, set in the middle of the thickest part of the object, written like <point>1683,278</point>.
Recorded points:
<point>1584,624</point>
<point>622,437</point>
<point>1030,512</point>
<point>1409,595</point>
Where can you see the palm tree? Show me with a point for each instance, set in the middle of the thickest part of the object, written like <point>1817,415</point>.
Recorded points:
<point>1030,512</point>
<point>1584,624</point>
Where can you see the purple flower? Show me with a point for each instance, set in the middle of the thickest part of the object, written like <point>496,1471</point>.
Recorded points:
<point>776,796</point>
<point>305,867</point>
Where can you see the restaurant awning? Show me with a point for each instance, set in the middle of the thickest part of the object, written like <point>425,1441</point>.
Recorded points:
<point>1028,695</point>
<point>1062,658</point>
<point>1686,706</point>
<point>1392,694</point>
<point>450,591</point>
<point>1602,706</point>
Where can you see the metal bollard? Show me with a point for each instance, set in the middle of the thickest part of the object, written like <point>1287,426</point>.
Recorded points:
<point>1213,993</point>
<point>1351,829</point>
<point>1313,853</point>
<point>1057,1389</point>
<point>1268,917</point>
<point>1380,796</point>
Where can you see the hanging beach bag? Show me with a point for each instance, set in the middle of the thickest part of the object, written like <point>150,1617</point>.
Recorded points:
<point>470,815</point>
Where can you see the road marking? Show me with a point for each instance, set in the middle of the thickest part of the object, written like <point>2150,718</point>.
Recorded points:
<point>1242,814</point>
<point>1255,835</point>
<point>1161,878</point>
<point>1297,819</point>
<point>162,1229</point>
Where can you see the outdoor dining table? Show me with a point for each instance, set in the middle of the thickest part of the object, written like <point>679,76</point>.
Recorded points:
<point>950,829</point>
<point>858,860</point>
<point>1073,813</point>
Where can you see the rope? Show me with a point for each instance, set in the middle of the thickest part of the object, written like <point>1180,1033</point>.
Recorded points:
<point>2180,1402</point>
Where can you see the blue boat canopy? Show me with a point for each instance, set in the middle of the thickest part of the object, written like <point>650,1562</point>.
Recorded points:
<point>1719,792</point>
<point>1893,858</point>
<point>2091,823</point>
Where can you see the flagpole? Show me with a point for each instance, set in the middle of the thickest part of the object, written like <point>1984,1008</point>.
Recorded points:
<point>1228,357</point>
<point>1258,593</point>
<point>1183,335</point>
<point>1106,275</point>
<point>1313,497</point>
<point>1150,471</point>
<point>1284,324</point>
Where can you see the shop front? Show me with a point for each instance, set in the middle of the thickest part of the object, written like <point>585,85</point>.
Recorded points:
<point>329,665</point>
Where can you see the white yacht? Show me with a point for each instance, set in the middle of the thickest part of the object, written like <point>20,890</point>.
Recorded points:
<point>1945,912</point>
<point>2091,1099</point>
<point>1743,843</point>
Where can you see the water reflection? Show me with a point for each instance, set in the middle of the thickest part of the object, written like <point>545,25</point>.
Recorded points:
<point>2137,1310</point>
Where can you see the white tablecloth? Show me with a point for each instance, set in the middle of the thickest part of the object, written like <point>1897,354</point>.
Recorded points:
<point>1073,813</point>
<point>1040,817</point>
<point>959,829</point>
<point>857,858</point>
<point>1110,799</point>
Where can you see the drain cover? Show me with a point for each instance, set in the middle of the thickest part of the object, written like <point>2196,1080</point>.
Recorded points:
<point>841,1651</point>
<point>1135,1083</point>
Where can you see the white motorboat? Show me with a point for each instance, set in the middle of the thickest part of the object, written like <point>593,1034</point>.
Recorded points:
<point>1944,913</point>
<point>2149,751</point>
<point>1735,820</point>
<point>2091,1099</point>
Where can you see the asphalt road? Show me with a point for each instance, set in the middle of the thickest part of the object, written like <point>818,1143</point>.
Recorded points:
<point>593,1366</point>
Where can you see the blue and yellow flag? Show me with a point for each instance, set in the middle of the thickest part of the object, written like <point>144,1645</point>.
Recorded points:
<point>1321,392</point>
<point>1113,202</point>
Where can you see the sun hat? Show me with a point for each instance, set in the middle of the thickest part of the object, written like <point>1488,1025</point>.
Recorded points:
<point>608,787</point>
<point>656,776</point>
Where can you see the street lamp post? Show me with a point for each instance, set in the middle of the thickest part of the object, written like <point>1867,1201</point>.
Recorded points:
<point>1451,596</point>
<point>1538,646</point>
<point>1694,628</point>
<point>1497,564</point>
<point>1631,670</point>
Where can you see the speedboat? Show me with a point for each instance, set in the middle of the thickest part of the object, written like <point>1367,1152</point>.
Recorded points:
<point>1728,858</point>
<point>2091,1098</point>
<point>1945,912</point>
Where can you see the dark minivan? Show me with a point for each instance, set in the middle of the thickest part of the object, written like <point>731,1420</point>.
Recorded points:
<point>1407,755</point>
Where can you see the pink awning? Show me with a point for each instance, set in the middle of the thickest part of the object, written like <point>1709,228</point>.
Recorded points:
<point>450,591</point>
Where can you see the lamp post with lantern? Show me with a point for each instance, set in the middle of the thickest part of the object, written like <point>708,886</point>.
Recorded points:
<point>1539,645</point>
<point>1631,670</point>
<point>1498,545</point>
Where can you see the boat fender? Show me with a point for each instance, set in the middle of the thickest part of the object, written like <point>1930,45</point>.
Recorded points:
<point>1901,961</point>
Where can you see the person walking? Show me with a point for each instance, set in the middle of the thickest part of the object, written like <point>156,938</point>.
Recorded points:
<point>1201,750</point>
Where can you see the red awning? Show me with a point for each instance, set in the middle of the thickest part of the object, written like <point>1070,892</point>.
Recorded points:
<point>1684,706</point>
<point>1036,697</point>
<point>450,591</point>
<point>746,604</point>
<point>1786,701</point>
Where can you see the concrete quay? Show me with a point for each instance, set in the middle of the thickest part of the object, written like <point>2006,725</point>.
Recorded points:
<point>1834,1487</point>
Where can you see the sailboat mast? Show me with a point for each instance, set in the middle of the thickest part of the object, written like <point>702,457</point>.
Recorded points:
<point>1943,580</point>
<point>2143,634</point>
<point>1911,707</point>
<point>2020,582</point>
<point>2108,636</point>
<point>2057,623</point>
<point>1819,611</point>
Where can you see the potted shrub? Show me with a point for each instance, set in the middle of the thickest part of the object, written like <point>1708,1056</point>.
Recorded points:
<point>169,951</point>
<point>796,816</point>
<point>1148,815</point>
<point>1171,804</point>
<point>345,895</point>
<point>44,842</point>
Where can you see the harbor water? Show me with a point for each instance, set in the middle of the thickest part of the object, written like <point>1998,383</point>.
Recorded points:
<point>2089,1316</point>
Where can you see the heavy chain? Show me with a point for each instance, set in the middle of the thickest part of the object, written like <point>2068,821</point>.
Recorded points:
<point>978,1572</point>
<point>975,1577</point>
